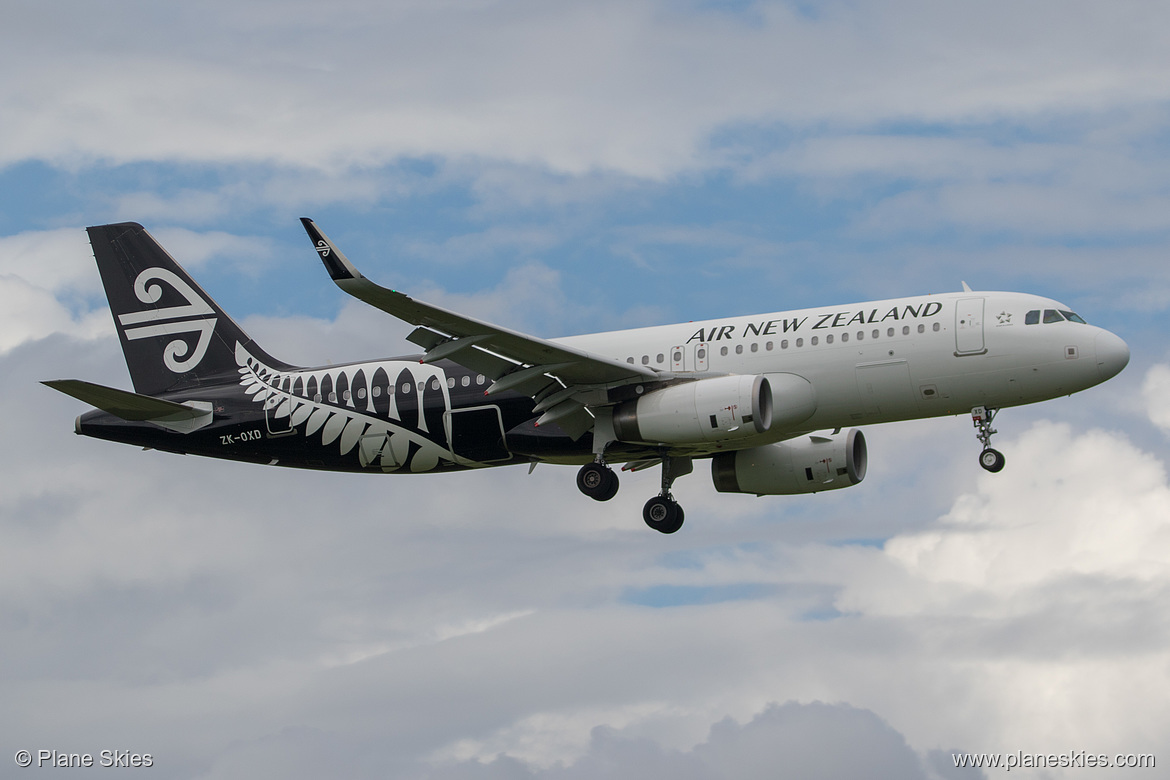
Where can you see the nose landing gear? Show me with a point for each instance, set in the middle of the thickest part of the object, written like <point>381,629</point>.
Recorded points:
<point>990,459</point>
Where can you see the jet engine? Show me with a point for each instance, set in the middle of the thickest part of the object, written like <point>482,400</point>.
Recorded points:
<point>717,409</point>
<point>808,464</point>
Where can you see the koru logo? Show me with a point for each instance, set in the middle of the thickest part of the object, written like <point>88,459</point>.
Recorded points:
<point>178,356</point>
<point>322,249</point>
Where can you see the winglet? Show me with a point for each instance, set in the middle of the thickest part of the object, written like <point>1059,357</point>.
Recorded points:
<point>336,263</point>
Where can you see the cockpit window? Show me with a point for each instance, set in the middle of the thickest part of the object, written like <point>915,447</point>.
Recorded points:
<point>1032,317</point>
<point>1052,315</point>
<point>1071,317</point>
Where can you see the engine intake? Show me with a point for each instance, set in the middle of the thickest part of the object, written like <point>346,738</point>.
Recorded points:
<point>808,464</point>
<point>717,409</point>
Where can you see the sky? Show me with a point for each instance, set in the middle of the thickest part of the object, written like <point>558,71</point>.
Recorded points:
<point>566,168</point>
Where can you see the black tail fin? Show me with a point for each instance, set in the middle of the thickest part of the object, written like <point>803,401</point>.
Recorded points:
<point>173,334</point>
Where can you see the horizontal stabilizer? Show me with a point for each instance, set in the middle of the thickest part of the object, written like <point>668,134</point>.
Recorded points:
<point>124,404</point>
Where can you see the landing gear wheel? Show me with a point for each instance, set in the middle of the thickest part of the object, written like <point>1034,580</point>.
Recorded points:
<point>663,514</point>
<point>991,460</point>
<point>597,481</point>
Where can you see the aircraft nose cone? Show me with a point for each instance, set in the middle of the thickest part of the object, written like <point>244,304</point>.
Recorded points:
<point>1112,354</point>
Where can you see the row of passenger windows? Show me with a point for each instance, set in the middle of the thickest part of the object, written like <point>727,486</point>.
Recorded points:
<point>701,353</point>
<point>407,387</point>
<point>1052,315</point>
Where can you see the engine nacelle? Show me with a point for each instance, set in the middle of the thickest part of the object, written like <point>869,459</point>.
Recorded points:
<point>717,409</point>
<point>808,464</point>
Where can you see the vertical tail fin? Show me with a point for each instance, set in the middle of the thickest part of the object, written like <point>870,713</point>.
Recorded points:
<point>174,336</point>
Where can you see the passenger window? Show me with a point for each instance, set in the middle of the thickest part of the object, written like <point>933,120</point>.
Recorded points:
<point>1051,316</point>
<point>723,351</point>
<point>889,333</point>
<point>813,341</point>
<point>1032,317</point>
<point>800,342</point>
<point>629,360</point>
<point>480,379</point>
<point>905,330</point>
<point>677,356</point>
<point>450,381</point>
<point>829,339</point>
<point>739,349</point>
<point>768,346</point>
<point>661,357</point>
<point>784,344</point>
<point>755,347</point>
<point>435,384</point>
<point>936,327</point>
<point>844,337</point>
<point>645,360</point>
<point>921,328</point>
<point>465,381</point>
<point>376,392</point>
<point>361,392</point>
<point>699,353</point>
<point>1071,317</point>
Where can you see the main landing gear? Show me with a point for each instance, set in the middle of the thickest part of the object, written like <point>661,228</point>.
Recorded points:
<point>597,481</point>
<point>662,513</point>
<point>990,459</point>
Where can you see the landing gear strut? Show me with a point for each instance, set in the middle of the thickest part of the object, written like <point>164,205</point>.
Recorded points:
<point>597,481</point>
<point>662,513</point>
<point>990,459</point>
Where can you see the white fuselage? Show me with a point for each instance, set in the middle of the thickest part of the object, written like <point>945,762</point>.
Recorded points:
<point>888,360</point>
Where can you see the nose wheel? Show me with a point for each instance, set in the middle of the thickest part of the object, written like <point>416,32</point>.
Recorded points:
<point>991,460</point>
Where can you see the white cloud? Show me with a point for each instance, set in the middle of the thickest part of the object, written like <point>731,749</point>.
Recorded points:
<point>56,261</point>
<point>795,740</point>
<point>632,87</point>
<point>49,283</point>
<point>246,621</point>
<point>1156,393</point>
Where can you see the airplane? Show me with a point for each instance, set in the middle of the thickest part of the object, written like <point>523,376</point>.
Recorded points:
<point>771,400</point>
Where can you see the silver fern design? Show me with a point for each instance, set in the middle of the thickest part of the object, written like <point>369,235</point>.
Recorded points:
<point>373,409</point>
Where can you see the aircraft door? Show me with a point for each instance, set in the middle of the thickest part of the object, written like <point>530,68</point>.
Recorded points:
<point>278,410</point>
<point>969,327</point>
<point>678,360</point>
<point>701,351</point>
<point>476,435</point>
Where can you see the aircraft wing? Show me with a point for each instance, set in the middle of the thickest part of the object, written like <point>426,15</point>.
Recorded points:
<point>563,380</point>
